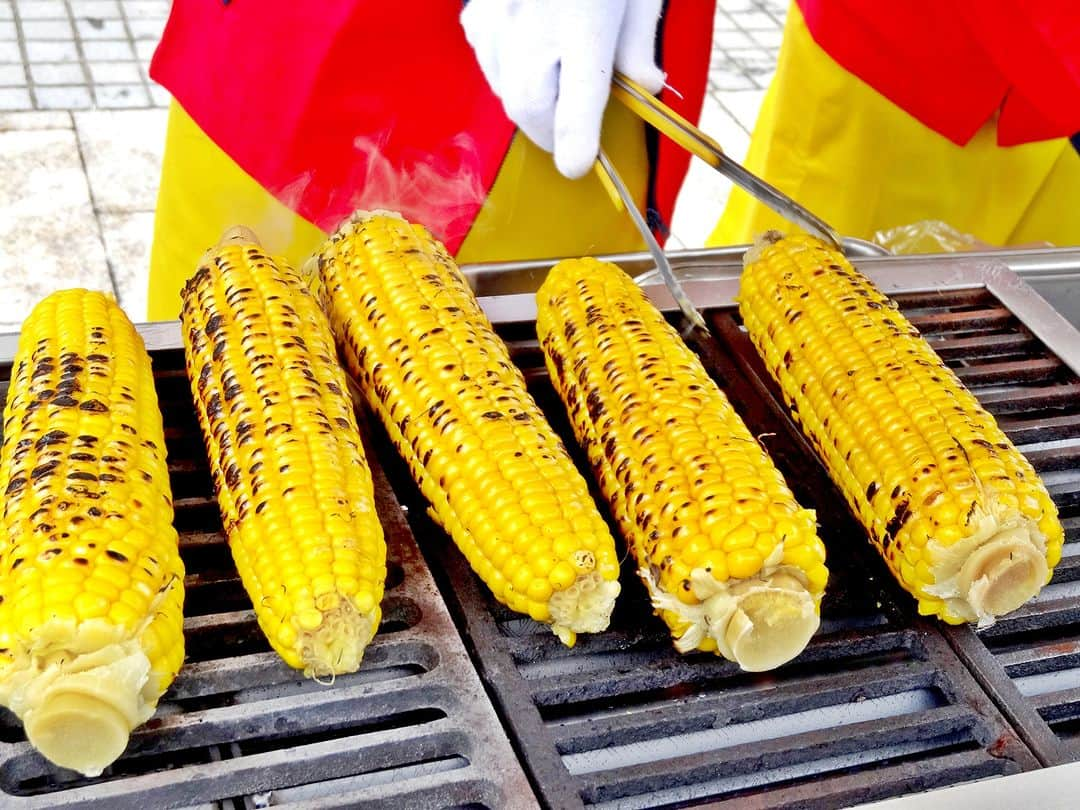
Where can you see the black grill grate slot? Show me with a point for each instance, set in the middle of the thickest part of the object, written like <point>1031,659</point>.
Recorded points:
<point>239,729</point>
<point>878,705</point>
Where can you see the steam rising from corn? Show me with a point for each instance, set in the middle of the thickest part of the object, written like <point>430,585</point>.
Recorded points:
<point>958,513</point>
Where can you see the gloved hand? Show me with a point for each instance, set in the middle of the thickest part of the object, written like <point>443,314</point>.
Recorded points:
<point>550,63</point>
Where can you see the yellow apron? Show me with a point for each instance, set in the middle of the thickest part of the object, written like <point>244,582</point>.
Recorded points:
<point>850,155</point>
<point>531,210</point>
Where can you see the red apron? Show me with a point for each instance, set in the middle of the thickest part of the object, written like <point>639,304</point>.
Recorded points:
<point>319,102</point>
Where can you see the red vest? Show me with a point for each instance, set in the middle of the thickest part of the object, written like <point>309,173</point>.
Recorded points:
<point>953,64</point>
<point>321,102</point>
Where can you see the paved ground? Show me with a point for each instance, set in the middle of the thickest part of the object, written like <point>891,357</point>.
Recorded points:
<point>82,126</point>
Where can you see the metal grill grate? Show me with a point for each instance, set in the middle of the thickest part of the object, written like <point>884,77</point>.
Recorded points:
<point>877,706</point>
<point>882,702</point>
<point>239,729</point>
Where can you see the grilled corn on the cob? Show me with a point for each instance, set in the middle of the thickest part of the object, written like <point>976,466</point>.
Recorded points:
<point>958,513</point>
<point>292,482</point>
<point>91,581</point>
<point>731,562</point>
<point>497,476</point>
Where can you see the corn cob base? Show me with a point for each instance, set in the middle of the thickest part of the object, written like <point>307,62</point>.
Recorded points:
<point>759,623</point>
<point>731,562</point>
<point>497,478</point>
<point>1001,565</point>
<point>959,514</point>
<point>285,451</point>
<point>80,692</point>
<point>91,589</point>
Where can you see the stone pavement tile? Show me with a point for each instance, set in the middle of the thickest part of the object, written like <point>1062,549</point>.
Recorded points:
<point>726,128</point>
<point>120,96</point>
<point>732,6</point>
<point>761,70</point>
<point>756,64</point>
<point>35,119</point>
<point>58,73</point>
<point>64,97</point>
<point>122,150</point>
<point>47,29</point>
<point>114,72</point>
<point>49,237</point>
<point>107,50</point>
<point>14,98</point>
<point>7,11</point>
<point>148,29</point>
<point>8,30</point>
<point>95,8</point>
<point>12,76</point>
<point>723,22</point>
<point>743,107</point>
<point>146,9</point>
<point>127,245</point>
<point>751,20</point>
<point>41,9</point>
<point>10,53</point>
<point>728,79</point>
<point>51,50</point>
<point>724,39</point>
<point>144,49</point>
<point>160,95</point>
<point>770,39</point>
<point>100,28</point>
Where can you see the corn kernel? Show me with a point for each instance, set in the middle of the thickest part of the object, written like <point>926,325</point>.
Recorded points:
<point>744,563</point>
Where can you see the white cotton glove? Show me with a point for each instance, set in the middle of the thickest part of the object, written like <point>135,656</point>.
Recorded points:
<point>550,63</point>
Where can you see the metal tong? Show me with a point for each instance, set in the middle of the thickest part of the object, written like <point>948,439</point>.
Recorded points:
<point>678,129</point>
<point>674,126</point>
<point>624,199</point>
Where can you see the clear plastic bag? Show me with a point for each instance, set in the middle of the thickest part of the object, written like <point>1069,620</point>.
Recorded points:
<point>934,236</point>
<point>928,236</point>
